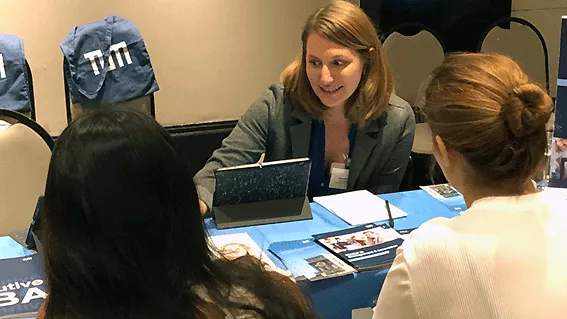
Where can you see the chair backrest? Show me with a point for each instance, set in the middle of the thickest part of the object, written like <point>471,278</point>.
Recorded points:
<point>16,83</point>
<point>12,117</point>
<point>520,41</point>
<point>105,63</point>
<point>25,152</point>
<point>32,113</point>
<point>412,59</point>
<point>145,104</point>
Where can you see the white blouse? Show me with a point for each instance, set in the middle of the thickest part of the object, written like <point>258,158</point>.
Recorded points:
<point>504,257</point>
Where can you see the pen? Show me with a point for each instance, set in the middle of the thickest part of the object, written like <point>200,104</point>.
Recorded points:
<point>390,219</point>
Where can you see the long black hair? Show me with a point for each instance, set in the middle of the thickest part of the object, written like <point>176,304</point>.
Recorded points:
<point>123,235</point>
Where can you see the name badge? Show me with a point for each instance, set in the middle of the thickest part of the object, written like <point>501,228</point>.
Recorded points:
<point>339,176</point>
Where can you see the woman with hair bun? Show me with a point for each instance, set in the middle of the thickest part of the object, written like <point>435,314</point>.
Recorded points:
<point>505,256</point>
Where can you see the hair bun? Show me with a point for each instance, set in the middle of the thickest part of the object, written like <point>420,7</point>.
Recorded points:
<point>526,109</point>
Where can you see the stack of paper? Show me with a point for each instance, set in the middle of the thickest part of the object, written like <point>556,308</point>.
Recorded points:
<point>359,207</point>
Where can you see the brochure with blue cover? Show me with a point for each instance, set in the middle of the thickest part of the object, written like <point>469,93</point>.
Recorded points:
<point>22,288</point>
<point>447,195</point>
<point>365,247</point>
<point>306,259</point>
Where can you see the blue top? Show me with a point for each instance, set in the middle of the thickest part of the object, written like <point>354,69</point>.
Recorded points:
<point>319,178</point>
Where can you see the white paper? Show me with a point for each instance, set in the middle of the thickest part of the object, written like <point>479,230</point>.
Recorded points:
<point>359,207</point>
<point>339,177</point>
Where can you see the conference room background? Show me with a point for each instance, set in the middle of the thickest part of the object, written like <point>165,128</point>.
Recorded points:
<point>213,58</point>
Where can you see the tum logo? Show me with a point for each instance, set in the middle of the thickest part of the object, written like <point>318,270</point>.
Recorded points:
<point>111,66</point>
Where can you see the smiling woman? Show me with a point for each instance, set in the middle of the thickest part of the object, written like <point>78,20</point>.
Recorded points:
<point>334,71</point>
<point>335,105</point>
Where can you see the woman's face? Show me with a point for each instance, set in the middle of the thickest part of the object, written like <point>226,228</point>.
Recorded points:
<point>334,71</point>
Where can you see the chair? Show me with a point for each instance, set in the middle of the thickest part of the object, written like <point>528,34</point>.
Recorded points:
<point>426,171</point>
<point>32,113</point>
<point>412,71</point>
<point>25,152</point>
<point>106,64</point>
<point>509,42</point>
<point>17,82</point>
<point>408,183</point>
<point>144,104</point>
<point>412,67</point>
<point>500,41</point>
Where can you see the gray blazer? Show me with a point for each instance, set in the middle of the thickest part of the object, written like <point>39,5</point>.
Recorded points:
<point>275,126</point>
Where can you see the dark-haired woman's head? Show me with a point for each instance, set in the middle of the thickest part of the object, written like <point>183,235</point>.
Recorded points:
<point>488,120</point>
<point>121,216</point>
<point>123,234</point>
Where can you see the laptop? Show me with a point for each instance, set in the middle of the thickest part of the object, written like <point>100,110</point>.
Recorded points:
<point>262,193</point>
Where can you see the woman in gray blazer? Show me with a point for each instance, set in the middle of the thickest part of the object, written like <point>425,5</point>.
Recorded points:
<point>335,105</point>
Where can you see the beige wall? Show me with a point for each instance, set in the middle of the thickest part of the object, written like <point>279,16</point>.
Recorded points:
<point>212,57</point>
<point>519,42</point>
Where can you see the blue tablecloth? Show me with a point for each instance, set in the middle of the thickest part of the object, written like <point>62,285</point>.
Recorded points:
<point>10,248</point>
<point>335,297</point>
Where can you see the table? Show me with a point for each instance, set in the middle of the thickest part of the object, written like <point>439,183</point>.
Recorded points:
<point>334,297</point>
<point>337,297</point>
<point>10,248</point>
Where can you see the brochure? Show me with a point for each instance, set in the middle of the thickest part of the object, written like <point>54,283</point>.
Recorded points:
<point>366,247</point>
<point>306,259</point>
<point>22,289</point>
<point>447,195</point>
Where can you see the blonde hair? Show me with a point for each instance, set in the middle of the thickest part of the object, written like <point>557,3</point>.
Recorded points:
<point>486,108</point>
<point>347,25</point>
